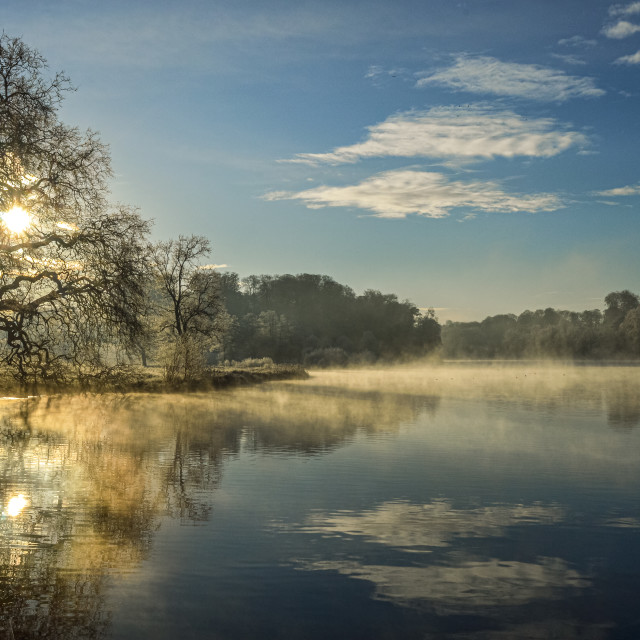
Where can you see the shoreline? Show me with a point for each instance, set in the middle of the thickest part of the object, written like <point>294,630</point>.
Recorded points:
<point>144,381</point>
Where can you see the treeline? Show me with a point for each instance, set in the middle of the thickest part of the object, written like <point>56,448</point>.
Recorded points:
<point>314,320</point>
<point>196,317</point>
<point>551,333</point>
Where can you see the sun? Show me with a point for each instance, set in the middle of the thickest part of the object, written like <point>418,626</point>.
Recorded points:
<point>17,220</point>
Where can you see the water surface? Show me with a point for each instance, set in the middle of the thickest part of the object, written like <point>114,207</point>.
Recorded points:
<point>445,502</point>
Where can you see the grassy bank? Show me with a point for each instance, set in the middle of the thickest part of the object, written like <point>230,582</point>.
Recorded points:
<point>224,377</point>
<point>151,380</point>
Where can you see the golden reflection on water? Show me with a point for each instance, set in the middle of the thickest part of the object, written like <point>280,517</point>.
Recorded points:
<point>536,385</point>
<point>518,380</point>
<point>95,475</point>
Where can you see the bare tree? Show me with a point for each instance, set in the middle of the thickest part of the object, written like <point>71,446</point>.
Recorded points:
<point>192,311</point>
<point>72,269</point>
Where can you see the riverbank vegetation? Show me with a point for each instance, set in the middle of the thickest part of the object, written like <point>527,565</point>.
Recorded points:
<point>313,320</point>
<point>551,333</point>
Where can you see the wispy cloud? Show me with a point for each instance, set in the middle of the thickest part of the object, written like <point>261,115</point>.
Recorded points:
<point>196,34</point>
<point>569,58</point>
<point>630,190</point>
<point>624,9</point>
<point>379,75</point>
<point>220,37</point>
<point>577,41</point>
<point>452,132</point>
<point>375,71</point>
<point>633,58</point>
<point>399,193</point>
<point>621,29</point>
<point>485,75</point>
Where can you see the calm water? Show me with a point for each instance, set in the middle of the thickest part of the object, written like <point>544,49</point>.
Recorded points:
<point>453,502</point>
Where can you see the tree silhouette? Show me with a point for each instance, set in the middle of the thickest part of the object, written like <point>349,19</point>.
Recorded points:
<point>72,269</point>
<point>190,306</point>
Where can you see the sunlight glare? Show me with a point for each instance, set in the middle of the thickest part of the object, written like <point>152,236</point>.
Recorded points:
<point>67,226</point>
<point>16,505</point>
<point>16,219</point>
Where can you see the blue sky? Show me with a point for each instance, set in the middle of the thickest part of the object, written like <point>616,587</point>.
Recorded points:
<point>477,156</point>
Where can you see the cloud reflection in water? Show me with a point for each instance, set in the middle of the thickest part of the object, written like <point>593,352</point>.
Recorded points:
<point>465,588</point>
<point>415,528</point>
<point>455,582</point>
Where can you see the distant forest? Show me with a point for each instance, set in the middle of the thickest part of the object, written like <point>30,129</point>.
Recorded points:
<point>551,333</point>
<point>314,320</point>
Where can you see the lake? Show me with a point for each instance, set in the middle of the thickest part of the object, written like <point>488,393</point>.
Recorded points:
<point>454,501</point>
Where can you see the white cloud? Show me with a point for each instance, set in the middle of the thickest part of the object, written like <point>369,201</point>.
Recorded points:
<point>577,41</point>
<point>633,58</point>
<point>450,132</point>
<point>569,59</point>
<point>624,10</point>
<point>622,29</point>
<point>631,190</point>
<point>374,71</point>
<point>398,193</point>
<point>485,75</point>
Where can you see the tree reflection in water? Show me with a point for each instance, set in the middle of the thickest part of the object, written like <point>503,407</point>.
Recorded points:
<point>100,473</point>
<point>98,481</point>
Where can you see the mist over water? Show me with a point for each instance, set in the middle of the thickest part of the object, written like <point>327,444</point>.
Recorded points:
<point>462,501</point>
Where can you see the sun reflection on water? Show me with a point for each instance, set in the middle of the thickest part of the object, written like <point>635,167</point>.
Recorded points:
<point>16,505</point>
